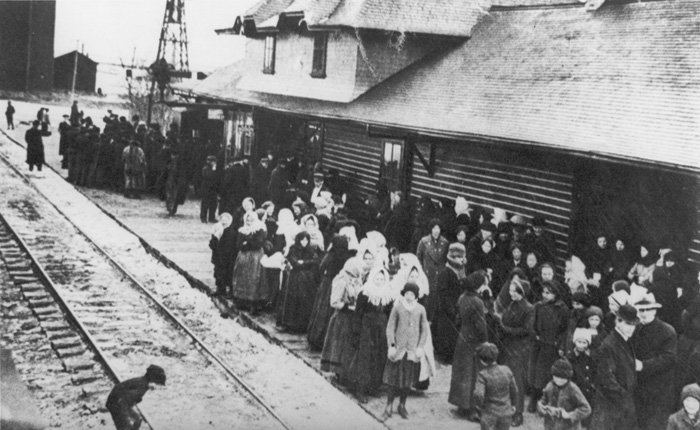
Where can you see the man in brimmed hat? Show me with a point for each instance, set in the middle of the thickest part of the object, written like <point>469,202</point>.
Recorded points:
<point>63,128</point>
<point>616,378</point>
<point>655,344</point>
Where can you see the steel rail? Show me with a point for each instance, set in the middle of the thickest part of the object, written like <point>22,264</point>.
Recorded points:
<point>64,304</point>
<point>214,357</point>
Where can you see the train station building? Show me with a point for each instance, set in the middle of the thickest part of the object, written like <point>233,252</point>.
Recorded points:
<point>586,113</point>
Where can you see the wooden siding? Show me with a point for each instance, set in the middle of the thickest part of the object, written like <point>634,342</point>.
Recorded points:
<point>498,179</point>
<point>347,148</point>
<point>694,249</point>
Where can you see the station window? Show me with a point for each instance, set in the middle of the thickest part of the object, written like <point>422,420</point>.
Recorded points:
<point>269,61</point>
<point>318,69</point>
<point>392,163</point>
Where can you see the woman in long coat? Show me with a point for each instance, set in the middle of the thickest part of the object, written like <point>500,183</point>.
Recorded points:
<point>548,338</point>
<point>247,271</point>
<point>365,371</point>
<point>331,265</point>
<point>517,321</point>
<point>344,290</point>
<point>297,302</point>
<point>432,254</point>
<point>445,326</point>
<point>473,332</point>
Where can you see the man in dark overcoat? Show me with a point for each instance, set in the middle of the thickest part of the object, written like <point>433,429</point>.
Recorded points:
<point>35,147</point>
<point>9,115</point>
<point>210,189</point>
<point>655,344</point>
<point>616,378</point>
<point>63,128</point>
<point>122,400</point>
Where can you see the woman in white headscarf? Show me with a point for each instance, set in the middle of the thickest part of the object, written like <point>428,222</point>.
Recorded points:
<point>309,223</point>
<point>366,368</point>
<point>246,284</point>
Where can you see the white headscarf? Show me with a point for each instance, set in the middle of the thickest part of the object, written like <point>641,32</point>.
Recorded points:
<point>349,232</point>
<point>287,227</point>
<point>225,220</point>
<point>378,294</point>
<point>255,226</point>
<point>408,263</point>
<point>314,232</point>
<point>461,206</point>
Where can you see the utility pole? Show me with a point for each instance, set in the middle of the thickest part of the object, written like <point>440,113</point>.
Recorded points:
<point>75,72</point>
<point>29,51</point>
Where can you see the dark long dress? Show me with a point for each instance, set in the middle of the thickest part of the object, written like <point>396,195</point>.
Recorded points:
<point>445,327</point>
<point>331,265</point>
<point>517,321</point>
<point>549,333</point>
<point>465,365</point>
<point>365,371</point>
<point>247,272</point>
<point>432,255</point>
<point>224,255</point>
<point>298,297</point>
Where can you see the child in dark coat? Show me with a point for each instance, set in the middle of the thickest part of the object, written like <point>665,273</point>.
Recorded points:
<point>496,392</point>
<point>584,364</point>
<point>688,418</point>
<point>563,405</point>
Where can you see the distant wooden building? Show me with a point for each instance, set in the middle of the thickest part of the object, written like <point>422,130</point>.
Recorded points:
<point>535,107</point>
<point>86,74</point>
<point>26,45</point>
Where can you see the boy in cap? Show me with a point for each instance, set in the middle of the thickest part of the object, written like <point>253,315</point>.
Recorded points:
<point>563,404</point>
<point>688,417</point>
<point>495,392</point>
<point>124,397</point>
<point>616,378</point>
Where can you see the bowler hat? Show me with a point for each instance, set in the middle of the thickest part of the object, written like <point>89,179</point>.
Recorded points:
<point>487,226</point>
<point>628,314</point>
<point>155,374</point>
<point>539,221</point>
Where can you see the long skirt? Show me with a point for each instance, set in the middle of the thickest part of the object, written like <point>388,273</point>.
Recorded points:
<point>401,373</point>
<point>465,368</point>
<point>297,300</point>
<point>247,274</point>
<point>321,314</point>
<point>337,347</point>
<point>542,356</point>
<point>366,368</point>
<point>515,354</point>
<point>270,284</point>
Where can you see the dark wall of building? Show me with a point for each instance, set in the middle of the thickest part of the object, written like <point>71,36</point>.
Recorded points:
<point>26,45</point>
<point>86,74</point>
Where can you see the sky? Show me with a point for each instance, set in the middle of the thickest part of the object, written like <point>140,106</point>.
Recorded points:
<point>115,31</point>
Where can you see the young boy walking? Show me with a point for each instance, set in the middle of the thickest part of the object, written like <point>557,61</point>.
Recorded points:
<point>496,392</point>
<point>563,405</point>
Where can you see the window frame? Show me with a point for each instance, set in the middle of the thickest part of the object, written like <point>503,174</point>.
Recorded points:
<point>399,180</point>
<point>319,55</point>
<point>269,53</point>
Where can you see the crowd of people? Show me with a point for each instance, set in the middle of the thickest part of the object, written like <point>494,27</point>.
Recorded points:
<point>609,340</point>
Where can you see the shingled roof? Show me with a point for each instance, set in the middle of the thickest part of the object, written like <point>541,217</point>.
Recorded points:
<point>622,82</point>
<point>442,17</point>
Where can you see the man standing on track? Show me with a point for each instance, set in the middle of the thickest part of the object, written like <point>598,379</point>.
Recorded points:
<point>124,397</point>
<point>10,114</point>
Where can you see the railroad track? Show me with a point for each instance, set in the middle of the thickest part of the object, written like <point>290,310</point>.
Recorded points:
<point>101,321</point>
